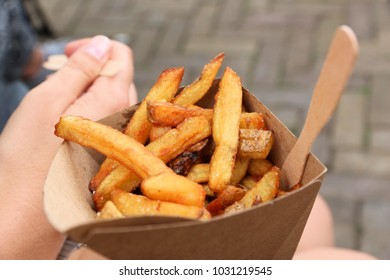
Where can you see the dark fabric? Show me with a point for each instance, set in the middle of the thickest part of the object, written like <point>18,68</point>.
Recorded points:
<point>17,40</point>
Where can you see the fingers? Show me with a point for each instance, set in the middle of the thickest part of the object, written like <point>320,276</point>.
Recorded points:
<point>64,87</point>
<point>71,47</point>
<point>108,94</point>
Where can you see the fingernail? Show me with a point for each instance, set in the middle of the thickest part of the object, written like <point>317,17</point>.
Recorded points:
<point>98,47</point>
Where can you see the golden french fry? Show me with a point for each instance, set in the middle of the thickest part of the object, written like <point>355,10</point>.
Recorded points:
<point>167,147</point>
<point>265,190</point>
<point>195,91</point>
<point>137,205</point>
<point>171,187</point>
<point>183,163</point>
<point>111,143</point>
<point>227,197</point>
<point>255,143</point>
<point>168,114</point>
<point>139,127</point>
<point>249,182</point>
<point>199,173</point>
<point>208,191</point>
<point>240,169</point>
<point>164,90</point>
<point>105,169</point>
<point>109,211</point>
<point>119,178</point>
<point>259,167</point>
<point>157,131</point>
<point>252,120</point>
<point>226,121</point>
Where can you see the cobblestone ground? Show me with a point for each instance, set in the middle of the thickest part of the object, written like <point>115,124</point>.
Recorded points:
<point>277,47</point>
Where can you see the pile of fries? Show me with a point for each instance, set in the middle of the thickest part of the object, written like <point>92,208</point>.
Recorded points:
<point>177,159</point>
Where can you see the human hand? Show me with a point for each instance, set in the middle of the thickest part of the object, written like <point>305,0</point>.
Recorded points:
<point>28,144</point>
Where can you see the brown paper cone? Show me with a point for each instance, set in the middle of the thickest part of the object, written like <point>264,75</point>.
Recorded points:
<point>267,231</point>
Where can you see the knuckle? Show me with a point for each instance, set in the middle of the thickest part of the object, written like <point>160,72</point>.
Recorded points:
<point>85,69</point>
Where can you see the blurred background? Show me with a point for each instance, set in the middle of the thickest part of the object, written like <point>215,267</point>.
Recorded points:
<point>277,47</point>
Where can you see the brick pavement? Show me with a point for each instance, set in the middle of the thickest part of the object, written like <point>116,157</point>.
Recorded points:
<point>277,47</point>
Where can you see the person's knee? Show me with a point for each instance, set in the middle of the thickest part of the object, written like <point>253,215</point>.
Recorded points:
<point>319,230</point>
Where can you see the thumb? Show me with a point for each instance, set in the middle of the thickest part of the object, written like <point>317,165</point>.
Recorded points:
<point>71,81</point>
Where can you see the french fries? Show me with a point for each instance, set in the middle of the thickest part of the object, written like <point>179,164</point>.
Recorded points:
<point>255,143</point>
<point>178,159</point>
<point>264,190</point>
<point>227,197</point>
<point>122,148</point>
<point>139,127</point>
<point>169,146</point>
<point>226,121</point>
<point>252,120</point>
<point>168,114</point>
<point>194,92</point>
<point>199,173</point>
<point>109,211</point>
<point>137,205</point>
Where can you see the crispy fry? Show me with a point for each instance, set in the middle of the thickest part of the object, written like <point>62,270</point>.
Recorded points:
<point>249,182</point>
<point>164,90</point>
<point>208,191</point>
<point>255,143</point>
<point>259,167</point>
<point>157,131</point>
<point>111,143</point>
<point>137,205</point>
<point>171,187</point>
<point>119,178</point>
<point>109,211</point>
<point>168,114</point>
<point>105,169</point>
<point>182,163</point>
<point>226,120</point>
<point>194,92</point>
<point>227,197</point>
<point>139,127</point>
<point>252,120</point>
<point>240,168</point>
<point>169,146</point>
<point>199,173</point>
<point>265,190</point>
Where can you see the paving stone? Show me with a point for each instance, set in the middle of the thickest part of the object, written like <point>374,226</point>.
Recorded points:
<point>266,64</point>
<point>349,121</point>
<point>375,235</point>
<point>360,17</point>
<point>380,100</point>
<point>380,139</point>
<point>355,162</point>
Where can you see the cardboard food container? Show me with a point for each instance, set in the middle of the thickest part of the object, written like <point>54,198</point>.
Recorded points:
<point>270,230</point>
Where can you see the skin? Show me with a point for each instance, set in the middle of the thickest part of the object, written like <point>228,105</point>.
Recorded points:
<point>28,145</point>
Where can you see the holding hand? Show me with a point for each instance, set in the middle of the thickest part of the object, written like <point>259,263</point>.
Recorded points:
<point>28,145</point>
